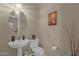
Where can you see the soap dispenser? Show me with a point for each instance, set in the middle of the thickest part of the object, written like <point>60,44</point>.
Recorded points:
<point>13,38</point>
<point>23,37</point>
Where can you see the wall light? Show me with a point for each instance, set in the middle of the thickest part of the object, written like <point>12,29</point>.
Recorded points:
<point>18,7</point>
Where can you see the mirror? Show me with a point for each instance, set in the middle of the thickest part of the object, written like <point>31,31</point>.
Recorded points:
<point>13,22</point>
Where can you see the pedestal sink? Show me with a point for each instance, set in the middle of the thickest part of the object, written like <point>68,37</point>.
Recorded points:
<point>17,22</point>
<point>18,44</point>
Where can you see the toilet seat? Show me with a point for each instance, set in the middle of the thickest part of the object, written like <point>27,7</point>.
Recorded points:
<point>38,51</point>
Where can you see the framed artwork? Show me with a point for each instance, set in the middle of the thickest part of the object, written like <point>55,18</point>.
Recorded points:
<point>52,18</point>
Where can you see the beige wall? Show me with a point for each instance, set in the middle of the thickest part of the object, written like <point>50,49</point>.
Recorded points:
<point>57,35</point>
<point>31,12</point>
<point>70,18</point>
<point>49,35</point>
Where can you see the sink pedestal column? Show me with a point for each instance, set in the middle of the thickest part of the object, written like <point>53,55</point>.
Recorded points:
<point>19,51</point>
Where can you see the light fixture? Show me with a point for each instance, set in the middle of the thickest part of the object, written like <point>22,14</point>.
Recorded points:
<point>18,6</point>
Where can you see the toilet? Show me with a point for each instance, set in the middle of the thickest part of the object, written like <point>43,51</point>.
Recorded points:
<point>37,50</point>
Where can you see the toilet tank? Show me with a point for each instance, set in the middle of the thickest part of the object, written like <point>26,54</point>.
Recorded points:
<point>34,43</point>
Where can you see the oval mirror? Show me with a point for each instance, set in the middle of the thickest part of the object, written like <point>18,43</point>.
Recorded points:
<point>13,22</point>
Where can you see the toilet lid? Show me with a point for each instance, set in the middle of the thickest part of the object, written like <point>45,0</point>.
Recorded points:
<point>38,51</point>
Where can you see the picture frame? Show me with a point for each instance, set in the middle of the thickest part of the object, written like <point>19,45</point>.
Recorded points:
<point>52,18</point>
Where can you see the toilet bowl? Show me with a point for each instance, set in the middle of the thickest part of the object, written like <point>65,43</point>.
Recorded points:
<point>37,50</point>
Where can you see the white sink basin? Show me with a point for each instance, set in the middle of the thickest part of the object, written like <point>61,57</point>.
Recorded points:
<point>19,44</point>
